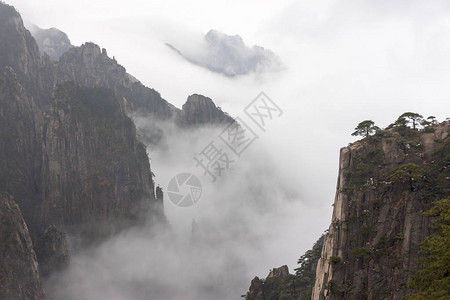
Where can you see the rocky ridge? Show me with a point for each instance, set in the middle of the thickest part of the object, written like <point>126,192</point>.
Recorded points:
<point>90,66</point>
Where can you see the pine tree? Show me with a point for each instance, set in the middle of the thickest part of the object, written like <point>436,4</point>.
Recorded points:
<point>410,117</point>
<point>365,128</point>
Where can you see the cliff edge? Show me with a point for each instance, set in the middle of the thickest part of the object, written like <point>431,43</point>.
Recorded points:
<point>385,183</point>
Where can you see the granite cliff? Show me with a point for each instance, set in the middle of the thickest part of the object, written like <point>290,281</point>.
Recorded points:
<point>55,136</point>
<point>69,156</point>
<point>385,184</point>
<point>95,172</point>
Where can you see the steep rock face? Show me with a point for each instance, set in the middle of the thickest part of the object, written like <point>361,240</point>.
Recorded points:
<point>19,274</point>
<point>20,148</point>
<point>19,51</point>
<point>96,174</point>
<point>377,226</point>
<point>200,110</point>
<point>26,80</point>
<point>51,41</point>
<point>33,146</point>
<point>89,66</point>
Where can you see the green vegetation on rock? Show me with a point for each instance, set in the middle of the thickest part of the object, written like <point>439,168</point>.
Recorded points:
<point>293,286</point>
<point>432,281</point>
<point>406,173</point>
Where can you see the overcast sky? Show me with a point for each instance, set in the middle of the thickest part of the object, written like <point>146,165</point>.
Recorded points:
<point>377,57</point>
<point>346,61</point>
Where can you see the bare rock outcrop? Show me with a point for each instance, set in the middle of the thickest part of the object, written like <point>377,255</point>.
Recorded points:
<point>201,110</point>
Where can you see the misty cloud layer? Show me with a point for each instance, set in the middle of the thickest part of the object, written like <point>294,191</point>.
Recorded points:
<point>239,224</point>
<point>228,55</point>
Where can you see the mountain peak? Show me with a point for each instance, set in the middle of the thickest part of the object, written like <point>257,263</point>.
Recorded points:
<point>228,55</point>
<point>199,109</point>
<point>52,41</point>
<point>7,11</point>
<point>197,98</point>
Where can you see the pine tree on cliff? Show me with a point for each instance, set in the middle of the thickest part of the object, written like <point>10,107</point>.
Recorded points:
<point>430,121</point>
<point>365,128</point>
<point>409,117</point>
